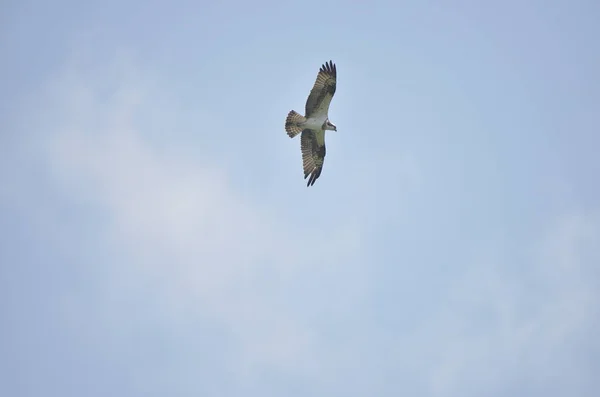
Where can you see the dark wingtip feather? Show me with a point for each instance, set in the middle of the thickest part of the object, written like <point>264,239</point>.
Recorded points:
<point>313,177</point>
<point>329,68</point>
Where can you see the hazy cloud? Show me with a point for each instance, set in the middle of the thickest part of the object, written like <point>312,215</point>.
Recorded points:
<point>179,265</point>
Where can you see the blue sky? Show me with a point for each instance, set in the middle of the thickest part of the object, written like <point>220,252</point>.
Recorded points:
<point>158,238</point>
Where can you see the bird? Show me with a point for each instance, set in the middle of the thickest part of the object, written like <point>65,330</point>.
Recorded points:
<point>315,122</point>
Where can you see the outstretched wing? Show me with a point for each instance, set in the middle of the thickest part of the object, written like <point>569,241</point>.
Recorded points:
<point>322,92</point>
<point>312,143</point>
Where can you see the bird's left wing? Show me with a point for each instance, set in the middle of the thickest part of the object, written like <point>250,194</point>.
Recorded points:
<point>312,143</point>
<point>322,91</point>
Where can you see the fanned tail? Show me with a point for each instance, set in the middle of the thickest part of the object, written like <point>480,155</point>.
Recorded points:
<point>292,123</point>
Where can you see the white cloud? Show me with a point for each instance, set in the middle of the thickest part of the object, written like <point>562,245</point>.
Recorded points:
<point>180,237</point>
<point>175,219</point>
<point>530,327</point>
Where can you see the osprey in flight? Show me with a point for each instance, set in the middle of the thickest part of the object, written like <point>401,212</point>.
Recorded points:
<point>314,122</point>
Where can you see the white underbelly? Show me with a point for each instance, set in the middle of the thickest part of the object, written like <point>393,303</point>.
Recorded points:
<point>313,123</point>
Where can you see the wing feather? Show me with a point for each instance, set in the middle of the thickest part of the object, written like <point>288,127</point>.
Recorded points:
<point>313,154</point>
<point>323,90</point>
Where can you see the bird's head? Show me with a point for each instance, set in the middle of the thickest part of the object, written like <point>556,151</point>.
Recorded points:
<point>330,126</point>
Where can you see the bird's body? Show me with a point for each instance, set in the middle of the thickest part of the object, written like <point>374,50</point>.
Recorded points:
<point>315,122</point>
